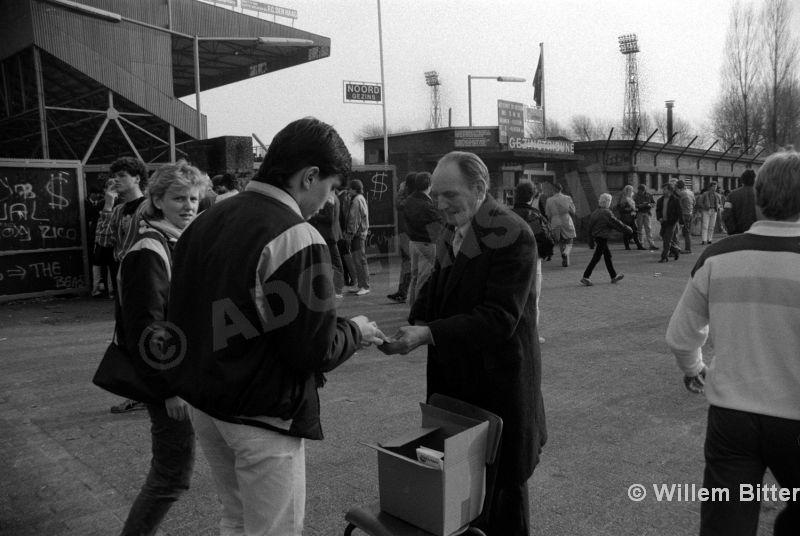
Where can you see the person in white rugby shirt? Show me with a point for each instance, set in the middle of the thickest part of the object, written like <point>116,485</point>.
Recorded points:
<point>744,294</point>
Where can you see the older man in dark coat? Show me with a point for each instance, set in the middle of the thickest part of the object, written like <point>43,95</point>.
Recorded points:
<point>477,314</point>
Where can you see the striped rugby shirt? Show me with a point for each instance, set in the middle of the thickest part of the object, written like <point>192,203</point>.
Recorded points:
<point>744,298</point>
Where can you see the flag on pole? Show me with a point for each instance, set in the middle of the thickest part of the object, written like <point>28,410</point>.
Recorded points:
<point>538,77</point>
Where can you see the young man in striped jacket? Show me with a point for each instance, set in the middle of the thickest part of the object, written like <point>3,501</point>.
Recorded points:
<point>745,292</point>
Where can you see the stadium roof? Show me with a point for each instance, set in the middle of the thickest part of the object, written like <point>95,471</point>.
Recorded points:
<point>94,79</point>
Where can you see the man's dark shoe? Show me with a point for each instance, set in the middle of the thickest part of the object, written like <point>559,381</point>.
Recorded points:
<point>399,298</point>
<point>128,405</point>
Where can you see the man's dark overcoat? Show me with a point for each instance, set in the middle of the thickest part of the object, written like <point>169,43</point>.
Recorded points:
<point>481,310</point>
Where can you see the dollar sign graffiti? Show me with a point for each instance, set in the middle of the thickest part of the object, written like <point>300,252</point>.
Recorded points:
<point>378,186</point>
<point>57,200</point>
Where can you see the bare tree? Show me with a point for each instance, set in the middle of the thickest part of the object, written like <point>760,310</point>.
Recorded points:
<point>780,77</point>
<point>554,129</point>
<point>733,116</point>
<point>583,128</point>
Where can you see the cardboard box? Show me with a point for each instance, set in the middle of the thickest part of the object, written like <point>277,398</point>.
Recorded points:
<point>439,501</point>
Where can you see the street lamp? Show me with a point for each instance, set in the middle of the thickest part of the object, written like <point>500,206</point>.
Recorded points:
<point>497,78</point>
<point>110,16</point>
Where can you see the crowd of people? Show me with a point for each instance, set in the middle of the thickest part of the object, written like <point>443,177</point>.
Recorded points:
<point>255,325</point>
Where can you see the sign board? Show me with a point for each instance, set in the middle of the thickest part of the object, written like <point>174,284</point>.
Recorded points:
<point>42,231</point>
<point>471,138</point>
<point>363,92</point>
<point>269,9</point>
<point>510,119</point>
<point>551,146</point>
<point>380,187</point>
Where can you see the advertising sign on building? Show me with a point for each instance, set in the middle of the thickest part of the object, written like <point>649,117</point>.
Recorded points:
<point>269,9</point>
<point>510,119</point>
<point>472,138</point>
<point>552,146</point>
<point>362,92</point>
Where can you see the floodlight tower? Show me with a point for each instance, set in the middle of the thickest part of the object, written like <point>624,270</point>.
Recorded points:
<point>629,46</point>
<point>432,79</point>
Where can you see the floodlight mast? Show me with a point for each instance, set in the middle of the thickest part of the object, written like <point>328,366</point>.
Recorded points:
<point>629,47</point>
<point>432,79</point>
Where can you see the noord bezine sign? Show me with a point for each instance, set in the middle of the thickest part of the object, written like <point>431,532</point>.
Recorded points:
<point>362,92</point>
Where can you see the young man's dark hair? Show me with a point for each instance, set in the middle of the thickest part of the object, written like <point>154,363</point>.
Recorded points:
<point>523,192</point>
<point>679,185</point>
<point>302,143</point>
<point>748,177</point>
<point>422,181</point>
<point>133,166</point>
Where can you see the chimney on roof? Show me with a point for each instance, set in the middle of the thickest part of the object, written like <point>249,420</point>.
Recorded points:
<point>670,104</point>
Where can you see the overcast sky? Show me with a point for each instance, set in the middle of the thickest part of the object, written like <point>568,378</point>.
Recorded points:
<point>681,42</point>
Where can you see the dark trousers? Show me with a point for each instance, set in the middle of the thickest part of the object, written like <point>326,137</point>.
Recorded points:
<point>348,268</point>
<point>506,507</point>
<point>170,472</point>
<point>405,264</point>
<point>338,269</point>
<point>667,238</point>
<point>686,229</point>
<point>600,250</point>
<point>739,447</point>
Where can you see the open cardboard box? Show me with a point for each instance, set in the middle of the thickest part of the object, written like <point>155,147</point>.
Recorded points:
<point>439,501</point>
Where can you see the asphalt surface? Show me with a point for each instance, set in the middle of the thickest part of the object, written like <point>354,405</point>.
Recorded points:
<point>617,414</point>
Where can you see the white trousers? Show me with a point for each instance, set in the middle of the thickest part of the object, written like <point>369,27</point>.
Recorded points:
<point>707,227</point>
<point>260,477</point>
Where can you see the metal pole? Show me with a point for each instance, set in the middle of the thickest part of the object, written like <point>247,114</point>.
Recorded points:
<point>544,112</point>
<point>383,90</point>
<point>37,65</point>
<point>469,97</point>
<point>197,87</point>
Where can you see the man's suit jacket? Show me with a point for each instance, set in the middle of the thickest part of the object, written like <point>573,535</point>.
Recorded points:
<point>481,309</point>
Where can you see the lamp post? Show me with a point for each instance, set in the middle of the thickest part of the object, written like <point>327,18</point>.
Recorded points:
<point>496,78</point>
<point>110,16</point>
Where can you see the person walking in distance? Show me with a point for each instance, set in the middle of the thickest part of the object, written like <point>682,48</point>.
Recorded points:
<point>560,211</point>
<point>740,210</point>
<point>668,213</point>
<point>687,201</point>
<point>601,223</point>
<point>645,202</point>
<point>709,205</point>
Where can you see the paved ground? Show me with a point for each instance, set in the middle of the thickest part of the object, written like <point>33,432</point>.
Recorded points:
<point>618,415</point>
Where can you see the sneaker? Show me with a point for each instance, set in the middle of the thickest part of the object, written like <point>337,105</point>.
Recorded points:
<point>397,297</point>
<point>127,405</point>
<point>338,296</point>
<point>362,291</point>
<point>541,340</point>
<point>586,282</point>
<point>654,248</point>
<point>617,278</point>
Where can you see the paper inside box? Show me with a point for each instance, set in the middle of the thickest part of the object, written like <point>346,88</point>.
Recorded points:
<point>439,500</point>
